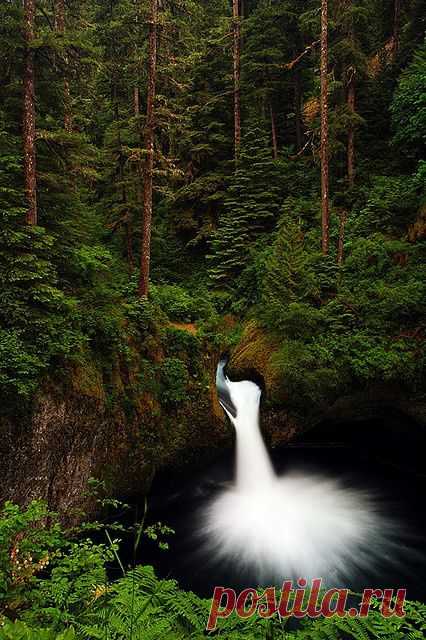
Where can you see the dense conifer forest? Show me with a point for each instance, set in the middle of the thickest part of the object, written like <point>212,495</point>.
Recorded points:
<point>178,176</point>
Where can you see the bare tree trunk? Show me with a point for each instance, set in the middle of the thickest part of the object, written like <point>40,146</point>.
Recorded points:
<point>139,134</point>
<point>350,98</point>
<point>60,27</point>
<point>29,115</point>
<point>342,224</point>
<point>136,92</point>
<point>396,26</point>
<point>129,224</point>
<point>136,101</point>
<point>298,109</point>
<point>237,77</point>
<point>325,212</point>
<point>274,134</point>
<point>351,132</point>
<point>149,147</point>
<point>137,113</point>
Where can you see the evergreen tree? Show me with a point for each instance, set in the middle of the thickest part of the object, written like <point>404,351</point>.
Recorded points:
<point>236,28</point>
<point>250,208</point>
<point>29,113</point>
<point>149,150</point>
<point>288,277</point>
<point>324,148</point>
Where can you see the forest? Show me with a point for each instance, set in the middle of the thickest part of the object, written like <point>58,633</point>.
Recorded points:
<point>180,178</point>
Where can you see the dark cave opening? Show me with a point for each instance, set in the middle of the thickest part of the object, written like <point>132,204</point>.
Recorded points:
<point>385,434</point>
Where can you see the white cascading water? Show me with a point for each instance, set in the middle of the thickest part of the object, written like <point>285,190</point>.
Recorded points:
<point>296,525</point>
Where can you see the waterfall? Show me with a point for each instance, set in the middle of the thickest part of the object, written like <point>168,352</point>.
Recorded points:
<point>295,525</point>
<point>241,402</point>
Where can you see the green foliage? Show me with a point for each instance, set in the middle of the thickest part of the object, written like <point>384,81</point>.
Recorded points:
<point>25,545</point>
<point>365,332</point>
<point>176,303</point>
<point>409,107</point>
<point>289,279</point>
<point>226,237</point>
<point>250,209</point>
<point>32,543</point>
<point>342,328</point>
<point>183,344</point>
<point>20,631</point>
<point>390,205</point>
<point>35,314</point>
<point>141,606</point>
<point>174,377</point>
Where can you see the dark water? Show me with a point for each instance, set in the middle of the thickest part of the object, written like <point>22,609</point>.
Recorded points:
<point>369,455</point>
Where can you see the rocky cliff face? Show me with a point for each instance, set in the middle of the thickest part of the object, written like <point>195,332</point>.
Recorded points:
<point>52,451</point>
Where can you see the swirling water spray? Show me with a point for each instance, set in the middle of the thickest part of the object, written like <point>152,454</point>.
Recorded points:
<point>294,525</point>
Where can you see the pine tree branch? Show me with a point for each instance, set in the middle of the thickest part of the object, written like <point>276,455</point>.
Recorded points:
<point>292,63</point>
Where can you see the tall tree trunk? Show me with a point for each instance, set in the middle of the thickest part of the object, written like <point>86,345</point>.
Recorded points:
<point>149,148</point>
<point>29,115</point>
<point>139,136</point>
<point>349,78</point>
<point>325,212</point>
<point>237,77</point>
<point>274,134</point>
<point>121,160</point>
<point>351,132</point>
<point>136,91</point>
<point>136,102</point>
<point>298,109</point>
<point>396,26</point>
<point>60,27</point>
<point>129,224</point>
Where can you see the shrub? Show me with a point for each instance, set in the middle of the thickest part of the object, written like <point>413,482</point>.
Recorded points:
<point>174,301</point>
<point>174,378</point>
<point>182,343</point>
<point>20,631</point>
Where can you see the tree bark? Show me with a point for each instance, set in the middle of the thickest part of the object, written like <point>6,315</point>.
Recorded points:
<point>139,135</point>
<point>237,77</point>
<point>325,212</point>
<point>351,132</point>
<point>29,115</point>
<point>298,109</point>
<point>350,100</point>
<point>60,28</point>
<point>396,26</point>
<point>129,224</point>
<point>274,134</point>
<point>149,149</point>
<point>136,101</point>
